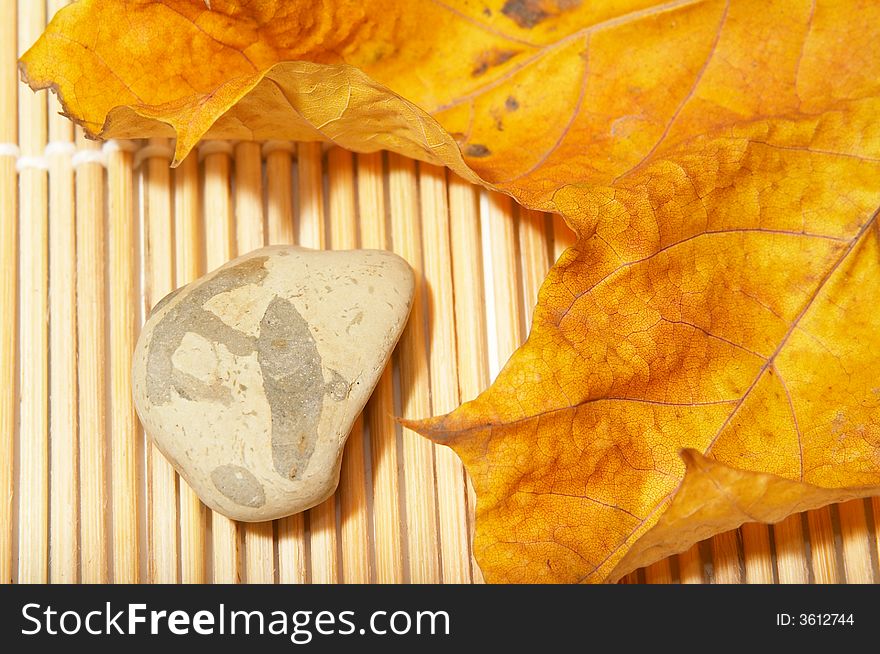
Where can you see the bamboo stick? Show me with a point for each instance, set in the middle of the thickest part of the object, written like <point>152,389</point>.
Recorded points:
<point>856,542</point>
<point>33,485</point>
<point>258,541</point>
<point>189,265</point>
<point>354,518</point>
<point>379,413</point>
<point>418,452</point>
<point>218,240</point>
<point>823,554</point>
<point>125,437</point>
<point>726,558</point>
<point>791,556</point>
<point>290,538</point>
<point>874,507</point>
<point>633,577</point>
<point>91,302</point>
<point>690,566</point>
<point>534,240</point>
<point>507,299</point>
<point>310,232</point>
<point>659,572</point>
<point>442,363</point>
<point>248,197</point>
<point>323,539</point>
<point>757,554</point>
<point>279,205</point>
<point>470,311</point>
<point>292,550</point>
<point>162,479</point>
<point>8,281</point>
<point>63,454</point>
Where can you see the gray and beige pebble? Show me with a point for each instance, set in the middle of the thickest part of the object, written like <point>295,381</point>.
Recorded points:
<point>250,378</point>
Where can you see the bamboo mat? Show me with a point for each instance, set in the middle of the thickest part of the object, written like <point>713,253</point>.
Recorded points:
<point>91,237</point>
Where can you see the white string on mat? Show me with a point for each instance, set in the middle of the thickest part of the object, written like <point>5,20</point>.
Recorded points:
<point>120,146</point>
<point>41,162</point>
<point>159,150</point>
<point>214,147</point>
<point>277,146</point>
<point>59,148</point>
<point>83,156</point>
<point>89,156</point>
<point>64,149</point>
<point>10,150</point>
<point>26,162</point>
<point>101,156</point>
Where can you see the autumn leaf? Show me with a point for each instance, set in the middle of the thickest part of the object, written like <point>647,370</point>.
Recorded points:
<point>707,353</point>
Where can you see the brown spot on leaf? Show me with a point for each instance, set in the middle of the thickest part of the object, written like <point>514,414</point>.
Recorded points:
<point>490,59</point>
<point>477,150</point>
<point>497,117</point>
<point>511,104</point>
<point>525,13</point>
<point>528,13</point>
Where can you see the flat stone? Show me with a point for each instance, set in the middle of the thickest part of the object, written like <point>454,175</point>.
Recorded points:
<point>250,378</point>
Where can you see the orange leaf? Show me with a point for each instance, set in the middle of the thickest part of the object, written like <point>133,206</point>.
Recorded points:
<point>719,162</point>
<point>721,300</point>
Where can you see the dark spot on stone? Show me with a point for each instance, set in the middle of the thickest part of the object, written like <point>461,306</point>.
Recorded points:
<point>490,59</point>
<point>191,316</point>
<point>294,385</point>
<point>357,320</point>
<point>337,388</point>
<point>290,366</point>
<point>511,104</point>
<point>165,300</point>
<point>239,485</point>
<point>477,150</point>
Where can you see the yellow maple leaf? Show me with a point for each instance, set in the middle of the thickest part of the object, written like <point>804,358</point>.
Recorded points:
<point>707,353</point>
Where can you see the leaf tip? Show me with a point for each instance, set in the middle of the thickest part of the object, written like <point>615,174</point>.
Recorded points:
<point>430,428</point>
<point>181,152</point>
